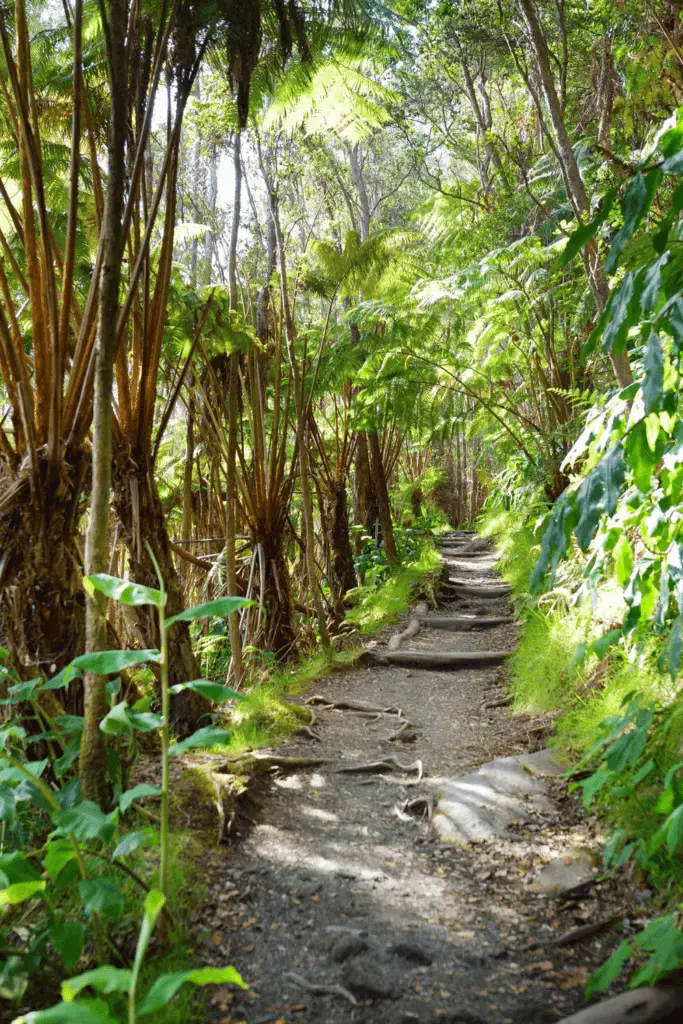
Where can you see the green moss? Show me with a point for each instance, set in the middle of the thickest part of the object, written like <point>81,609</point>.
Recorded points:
<point>376,607</point>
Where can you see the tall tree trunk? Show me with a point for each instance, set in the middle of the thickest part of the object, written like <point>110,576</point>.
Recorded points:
<point>279,627</point>
<point>572,174</point>
<point>379,476</point>
<point>341,575</point>
<point>93,769</point>
<point>139,510</point>
<point>233,400</point>
<point>188,470</point>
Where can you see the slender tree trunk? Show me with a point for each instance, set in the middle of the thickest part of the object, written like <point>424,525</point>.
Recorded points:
<point>572,174</point>
<point>279,626</point>
<point>377,469</point>
<point>341,574</point>
<point>231,495</point>
<point>93,772</point>
<point>302,440</point>
<point>188,471</point>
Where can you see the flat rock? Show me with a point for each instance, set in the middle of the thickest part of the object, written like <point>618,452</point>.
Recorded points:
<point>368,979</point>
<point>484,804</point>
<point>564,873</point>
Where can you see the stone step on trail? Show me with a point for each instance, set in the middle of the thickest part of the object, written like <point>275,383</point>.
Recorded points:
<point>462,623</point>
<point>471,590</point>
<point>440,659</point>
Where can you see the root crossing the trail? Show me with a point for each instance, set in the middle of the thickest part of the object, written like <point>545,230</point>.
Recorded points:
<point>340,903</point>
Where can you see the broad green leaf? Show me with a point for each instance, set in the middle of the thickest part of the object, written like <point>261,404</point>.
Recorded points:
<point>212,691</point>
<point>82,1012</point>
<point>132,594</point>
<point>212,609</point>
<point>610,970</point>
<point>586,231</point>
<point>653,380</point>
<point>652,284</point>
<point>613,473</point>
<point>623,311</point>
<point>623,560</point>
<point>635,205</point>
<point>603,643</point>
<point>102,896</point>
<point>18,868</point>
<point>165,987</point>
<point>593,784</point>
<point>102,979</point>
<point>143,789</point>
<point>122,718</point>
<point>58,854</point>
<point>19,892</point>
<point>135,841</point>
<point>87,821</point>
<point>641,458</point>
<point>674,830</point>
<point>24,691</point>
<point>68,938</point>
<point>589,501</point>
<point>104,663</point>
<point>209,736</point>
<point>673,647</point>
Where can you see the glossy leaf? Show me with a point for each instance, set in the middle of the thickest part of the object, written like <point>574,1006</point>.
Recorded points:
<point>102,979</point>
<point>219,608</point>
<point>102,896</point>
<point>87,821</point>
<point>68,938</point>
<point>82,1012</point>
<point>209,736</point>
<point>131,594</point>
<point>104,663</point>
<point>212,691</point>
<point>19,892</point>
<point>138,792</point>
<point>165,987</point>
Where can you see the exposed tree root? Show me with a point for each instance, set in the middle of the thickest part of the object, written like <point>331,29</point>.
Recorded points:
<point>411,630</point>
<point>462,623</point>
<point>502,702</point>
<point>400,733</point>
<point>321,990</point>
<point>423,804</point>
<point>483,591</point>
<point>441,659</point>
<point>388,763</point>
<point>640,1006</point>
<point>350,705</point>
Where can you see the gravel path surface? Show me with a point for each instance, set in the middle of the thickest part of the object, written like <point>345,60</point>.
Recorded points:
<point>338,905</point>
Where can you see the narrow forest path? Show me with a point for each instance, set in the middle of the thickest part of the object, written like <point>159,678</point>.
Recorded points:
<point>339,882</point>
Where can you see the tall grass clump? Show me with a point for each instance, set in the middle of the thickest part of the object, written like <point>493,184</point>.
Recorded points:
<point>543,670</point>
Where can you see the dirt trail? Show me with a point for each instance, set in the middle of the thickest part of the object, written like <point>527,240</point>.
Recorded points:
<point>339,882</point>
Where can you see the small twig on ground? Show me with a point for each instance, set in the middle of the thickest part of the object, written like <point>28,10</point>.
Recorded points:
<point>351,705</point>
<point>321,990</point>
<point>577,934</point>
<point>502,702</point>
